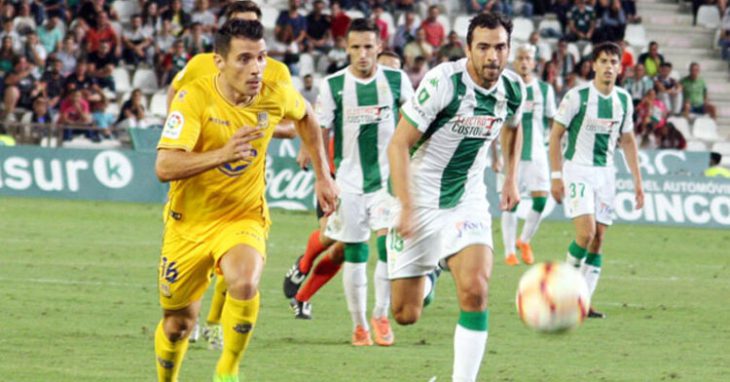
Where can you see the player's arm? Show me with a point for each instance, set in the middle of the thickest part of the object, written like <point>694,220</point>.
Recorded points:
<point>285,130</point>
<point>631,152</point>
<point>511,141</point>
<point>176,164</point>
<point>556,161</point>
<point>309,131</point>
<point>406,135</point>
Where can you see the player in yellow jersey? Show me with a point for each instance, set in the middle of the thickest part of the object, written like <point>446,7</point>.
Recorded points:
<point>213,150</point>
<point>203,64</point>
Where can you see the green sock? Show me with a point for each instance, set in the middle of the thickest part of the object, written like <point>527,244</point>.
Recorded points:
<point>576,253</point>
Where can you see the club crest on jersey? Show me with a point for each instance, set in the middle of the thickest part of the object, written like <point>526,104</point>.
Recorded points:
<point>173,125</point>
<point>364,115</point>
<point>262,120</point>
<point>476,126</point>
<point>235,169</point>
<point>601,125</point>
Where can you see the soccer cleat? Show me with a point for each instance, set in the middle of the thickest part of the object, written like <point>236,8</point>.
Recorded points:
<point>526,250</point>
<point>595,314</point>
<point>511,259</point>
<point>214,335</point>
<point>225,378</point>
<point>302,309</point>
<point>383,334</point>
<point>361,337</point>
<point>434,276</point>
<point>293,279</point>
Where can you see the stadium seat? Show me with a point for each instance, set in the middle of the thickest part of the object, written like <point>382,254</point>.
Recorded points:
<point>461,25</point>
<point>113,109</point>
<point>587,50</point>
<point>546,52</point>
<point>27,116</point>
<point>121,80</point>
<point>306,64</point>
<point>388,19</point>
<point>268,17</point>
<point>297,82</point>
<point>708,16</point>
<point>681,124</point>
<point>444,20</point>
<point>125,9</point>
<point>549,24</point>
<point>145,80</point>
<point>522,28</point>
<point>354,14</point>
<point>636,35</point>
<point>158,105</point>
<point>705,129</point>
<point>696,146</point>
<point>573,50</point>
<point>722,148</point>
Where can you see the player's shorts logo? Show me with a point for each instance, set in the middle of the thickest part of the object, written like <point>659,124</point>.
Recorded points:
<point>468,228</point>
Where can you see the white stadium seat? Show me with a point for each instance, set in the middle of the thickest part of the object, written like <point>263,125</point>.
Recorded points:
<point>297,82</point>
<point>636,35</point>
<point>696,146</point>
<point>121,80</point>
<point>522,28</point>
<point>268,17</point>
<point>125,9</point>
<point>461,25</point>
<point>158,105</point>
<point>306,64</point>
<point>708,16</point>
<point>722,148</point>
<point>445,23</point>
<point>145,80</point>
<point>549,24</point>
<point>705,129</point>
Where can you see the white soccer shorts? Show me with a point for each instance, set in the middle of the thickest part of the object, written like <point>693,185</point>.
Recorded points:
<point>357,214</point>
<point>533,176</point>
<point>589,190</point>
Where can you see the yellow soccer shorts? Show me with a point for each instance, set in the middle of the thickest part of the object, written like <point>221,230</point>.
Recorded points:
<point>187,265</point>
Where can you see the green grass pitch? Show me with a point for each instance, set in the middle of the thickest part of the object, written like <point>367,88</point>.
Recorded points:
<point>79,303</point>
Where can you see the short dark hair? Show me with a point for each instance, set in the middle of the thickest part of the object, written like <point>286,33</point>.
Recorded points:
<point>653,43</point>
<point>242,7</point>
<point>715,157</point>
<point>666,64</point>
<point>607,47</point>
<point>389,53</point>
<point>489,20</point>
<point>248,29</point>
<point>364,25</point>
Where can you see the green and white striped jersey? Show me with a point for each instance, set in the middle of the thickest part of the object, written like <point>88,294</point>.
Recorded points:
<point>459,119</point>
<point>363,115</point>
<point>539,106</point>
<point>594,123</point>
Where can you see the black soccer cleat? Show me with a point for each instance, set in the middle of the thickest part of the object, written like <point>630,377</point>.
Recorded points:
<point>293,279</point>
<point>302,309</point>
<point>595,314</point>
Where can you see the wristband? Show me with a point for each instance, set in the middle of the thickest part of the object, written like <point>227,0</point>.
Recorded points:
<point>556,175</point>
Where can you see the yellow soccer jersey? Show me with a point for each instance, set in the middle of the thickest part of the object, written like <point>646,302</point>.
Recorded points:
<point>201,120</point>
<point>202,64</point>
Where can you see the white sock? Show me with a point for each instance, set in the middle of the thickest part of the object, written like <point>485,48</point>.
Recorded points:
<point>509,231</point>
<point>355,281</point>
<point>427,286</point>
<point>469,346</point>
<point>591,274</point>
<point>382,290</point>
<point>532,223</point>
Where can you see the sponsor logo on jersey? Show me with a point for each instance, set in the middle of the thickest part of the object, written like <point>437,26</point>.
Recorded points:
<point>219,121</point>
<point>475,126</point>
<point>235,169</point>
<point>365,115</point>
<point>601,125</point>
<point>173,125</point>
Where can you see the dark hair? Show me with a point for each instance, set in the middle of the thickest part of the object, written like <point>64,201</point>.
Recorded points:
<point>607,47</point>
<point>693,64</point>
<point>248,29</point>
<point>652,44</point>
<point>363,25</point>
<point>489,20</point>
<point>307,76</point>
<point>242,7</point>
<point>715,157</point>
<point>389,53</point>
<point>666,65</point>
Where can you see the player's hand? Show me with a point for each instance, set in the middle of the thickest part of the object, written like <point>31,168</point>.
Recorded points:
<point>405,222</point>
<point>497,166</point>
<point>510,195</point>
<point>557,189</point>
<point>326,191</point>
<point>639,198</point>
<point>303,159</point>
<point>239,147</point>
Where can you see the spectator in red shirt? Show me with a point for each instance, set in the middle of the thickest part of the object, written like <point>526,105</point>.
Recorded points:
<point>102,32</point>
<point>74,111</point>
<point>340,20</point>
<point>382,25</point>
<point>435,33</point>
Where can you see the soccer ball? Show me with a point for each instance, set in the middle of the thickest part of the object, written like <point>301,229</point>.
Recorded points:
<point>552,297</point>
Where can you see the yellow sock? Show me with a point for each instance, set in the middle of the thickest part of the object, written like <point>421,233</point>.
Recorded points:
<point>219,297</point>
<point>169,355</point>
<point>238,321</point>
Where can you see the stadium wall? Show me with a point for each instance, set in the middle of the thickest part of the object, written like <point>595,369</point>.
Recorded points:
<point>676,192</point>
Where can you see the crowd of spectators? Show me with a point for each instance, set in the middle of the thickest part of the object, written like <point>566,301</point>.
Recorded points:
<point>57,57</point>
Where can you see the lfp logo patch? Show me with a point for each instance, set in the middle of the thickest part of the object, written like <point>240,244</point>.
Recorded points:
<point>173,125</point>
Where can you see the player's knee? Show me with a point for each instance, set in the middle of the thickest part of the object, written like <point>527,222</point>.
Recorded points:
<point>406,314</point>
<point>586,236</point>
<point>338,253</point>
<point>242,289</point>
<point>178,327</point>
<point>473,292</point>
